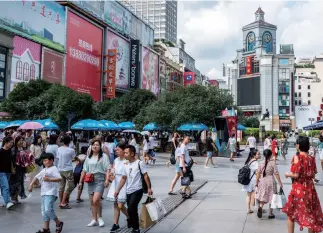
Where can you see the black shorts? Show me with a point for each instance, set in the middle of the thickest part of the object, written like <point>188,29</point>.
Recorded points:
<point>150,151</point>
<point>77,177</point>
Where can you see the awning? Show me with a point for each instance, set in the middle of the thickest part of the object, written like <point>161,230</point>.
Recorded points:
<point>316,125</point>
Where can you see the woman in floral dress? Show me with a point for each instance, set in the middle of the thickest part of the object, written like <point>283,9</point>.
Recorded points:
<point>265,183</point>
<point>303,205</point>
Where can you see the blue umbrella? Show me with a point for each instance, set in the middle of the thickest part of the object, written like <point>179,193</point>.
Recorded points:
<point>88,124</point>
<point>16,123</point>
<point>110,125</point>
<point>151,126</point>
<point>193,127</point>
<point>241,127</point>
<point>48,124</point>
<point>127,125</point>
<point>3,124</point>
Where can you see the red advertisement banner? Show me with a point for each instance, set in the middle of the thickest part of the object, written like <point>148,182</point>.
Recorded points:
<point>84,56</point>
<point>249,66</point>
<point>111,73</point>
<point>232,125</point>
<point>52,66</point>
<point>189,78</point>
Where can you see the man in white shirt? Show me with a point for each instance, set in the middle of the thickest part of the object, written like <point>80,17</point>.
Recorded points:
<point>185,160</point>
<point>65,155</point>
<point>131,176</point>
<point>251,141</point>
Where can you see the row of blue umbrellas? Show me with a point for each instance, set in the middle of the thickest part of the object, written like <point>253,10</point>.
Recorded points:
<point>47,123</point>
<point>89,124</point>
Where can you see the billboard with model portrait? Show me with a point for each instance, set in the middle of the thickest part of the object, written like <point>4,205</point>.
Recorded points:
<point>150,76</point>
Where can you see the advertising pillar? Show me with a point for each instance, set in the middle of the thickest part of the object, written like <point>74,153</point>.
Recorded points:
<point>134,63</point>
<point>111,76</point>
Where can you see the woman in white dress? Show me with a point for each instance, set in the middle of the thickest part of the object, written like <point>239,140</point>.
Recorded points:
<point>254,155</point>
<point>135,142</point>
<point>115,174</point>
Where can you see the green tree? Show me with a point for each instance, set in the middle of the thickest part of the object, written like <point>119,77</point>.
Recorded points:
<point>191,104</point>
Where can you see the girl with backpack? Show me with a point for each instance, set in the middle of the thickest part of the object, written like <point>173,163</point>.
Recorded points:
<point>252,162</point>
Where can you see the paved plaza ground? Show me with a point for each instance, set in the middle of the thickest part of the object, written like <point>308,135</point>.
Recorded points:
<point>219,206</point>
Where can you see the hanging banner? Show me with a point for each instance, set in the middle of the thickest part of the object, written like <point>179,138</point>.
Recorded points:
<point>111,73</point>
<point>123,53</point>
<point>232,125</point>
<point>134,63</point>
<point>52,66</point>
<point>25,61</point>
<point>249,66</point>
<point>189,78</point>
<point>150,78</point>
<point>40,21</point>
<point>83,59</point>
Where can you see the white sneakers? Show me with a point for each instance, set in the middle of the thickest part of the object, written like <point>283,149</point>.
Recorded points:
<point>9,206</point>
<point>101,222</point>
<point>94,223</point>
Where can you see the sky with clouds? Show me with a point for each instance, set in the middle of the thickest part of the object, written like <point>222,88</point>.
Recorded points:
<point>212,30</point>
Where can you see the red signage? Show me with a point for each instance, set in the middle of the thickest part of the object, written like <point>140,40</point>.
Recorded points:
<point>249,65</point>
<point>84,55</point>
<point>111,73</point>
<point>189,78</point>
<point>52,66</point>
<point>232,125</point>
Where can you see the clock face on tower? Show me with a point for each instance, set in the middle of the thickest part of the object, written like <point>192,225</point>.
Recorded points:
<point>267,37</point>
<point>251,37</point>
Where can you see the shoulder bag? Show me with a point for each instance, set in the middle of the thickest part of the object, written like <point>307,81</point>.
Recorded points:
<point>89,177</point>
<point>143,181</point>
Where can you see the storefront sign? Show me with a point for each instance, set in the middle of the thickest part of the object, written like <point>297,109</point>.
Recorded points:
<point>189,78</point>
<point>232,125</point>
<point>40,21</point>
<point>249,65</point>
<point>150,78</point>
<point>52,66</point>
<point>25,61</point>
<point>83,62</point>
<point>111,73</point>
<point>123,53</point>
<point>117,16</point>
<point>3,67</point>
<point>134,63</point>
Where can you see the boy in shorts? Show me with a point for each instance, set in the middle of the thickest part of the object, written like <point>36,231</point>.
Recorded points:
<point>49,178</point>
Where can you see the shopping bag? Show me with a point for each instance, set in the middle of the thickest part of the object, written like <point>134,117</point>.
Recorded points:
<point>283,197</point>
<point>279,200</point>
<point>156,209</point>
<point>145,220</point>
<point>185,181</point>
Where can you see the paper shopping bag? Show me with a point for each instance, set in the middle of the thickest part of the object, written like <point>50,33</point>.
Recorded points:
<point>145,220</point>
<point>276,202</point>
<point>156,209</point>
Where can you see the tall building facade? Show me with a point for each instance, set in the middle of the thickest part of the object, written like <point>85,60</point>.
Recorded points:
<point>162,13</point>
<point>264,80</point>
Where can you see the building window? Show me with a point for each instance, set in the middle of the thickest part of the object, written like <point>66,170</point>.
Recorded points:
<point>309,102</point>
<point>308,94</point>
<point>299,87</point>
<point>296,102</point>
<point>299,94</point>
<point>295,94</point>
<point>19,70</point>
<point>299,102</point>
<point>255,66</point>
<point>26,72</point>
<point>309,87</point>
<point>283,74</point>
<point>32,72</point>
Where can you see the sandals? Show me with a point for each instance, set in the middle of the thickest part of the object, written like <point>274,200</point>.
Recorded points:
<point>259,212</point>
<point>44,231</point>
<point>79,200</point>
<point>250,212</point>
<point>59,227</point>
<point>172,194</point>
<point>271,216</point>
<point>65,207</point>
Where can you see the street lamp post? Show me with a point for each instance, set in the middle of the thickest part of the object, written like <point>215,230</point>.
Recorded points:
<point>311,120</point>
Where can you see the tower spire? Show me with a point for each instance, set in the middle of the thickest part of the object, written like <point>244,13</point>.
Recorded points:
<point>260,14</point>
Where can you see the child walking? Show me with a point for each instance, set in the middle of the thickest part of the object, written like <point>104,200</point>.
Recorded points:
<point>49,178</point>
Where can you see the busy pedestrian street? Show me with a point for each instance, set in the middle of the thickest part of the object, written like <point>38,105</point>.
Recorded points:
<point>219,206</point>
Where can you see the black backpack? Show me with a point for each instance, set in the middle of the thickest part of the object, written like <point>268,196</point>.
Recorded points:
<point>244,174</point>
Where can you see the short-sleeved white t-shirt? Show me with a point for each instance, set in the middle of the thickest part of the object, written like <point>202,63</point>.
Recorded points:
<point>184,151</point>
<point>146,145</point>
<point>49,188</point>
<point>131,170</point>
<point>252,142</point>
<point>65,155</point>
<point>151,143</point>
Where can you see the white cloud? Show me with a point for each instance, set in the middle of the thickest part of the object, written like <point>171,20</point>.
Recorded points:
<point>213,30</point>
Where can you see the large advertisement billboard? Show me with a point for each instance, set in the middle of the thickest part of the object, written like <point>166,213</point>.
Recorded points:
<point>40,21</point>
<point>248,91</point>
<point>84,56</point>
<point>25,61</point>
<point>123,53</point>
<point>150,78</point>
<point>117,16</point>
<point>52,66</point>
<point>134,63</point>
<point>303,114</point>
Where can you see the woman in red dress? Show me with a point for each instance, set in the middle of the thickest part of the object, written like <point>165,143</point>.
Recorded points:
<point>303,205</point>
<point>274,147</point>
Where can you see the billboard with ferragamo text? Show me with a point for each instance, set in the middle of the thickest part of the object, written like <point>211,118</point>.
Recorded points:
<point>134,63</point>
<point>84,56</point>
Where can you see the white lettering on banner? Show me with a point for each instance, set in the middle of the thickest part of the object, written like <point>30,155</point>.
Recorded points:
<point>83,44</point>
<point>133,65</point>
<point>83,56</point>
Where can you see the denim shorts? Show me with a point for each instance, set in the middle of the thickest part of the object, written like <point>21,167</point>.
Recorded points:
<point>177,168</point>
<point>209,154</point>
<point>47,207</point>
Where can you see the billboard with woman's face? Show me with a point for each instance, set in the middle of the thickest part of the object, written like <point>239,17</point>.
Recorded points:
<point>150,76</point>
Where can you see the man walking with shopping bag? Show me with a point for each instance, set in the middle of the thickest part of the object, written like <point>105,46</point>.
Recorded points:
<point>138,182</point>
